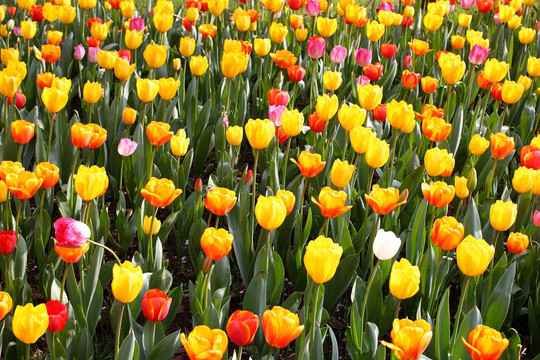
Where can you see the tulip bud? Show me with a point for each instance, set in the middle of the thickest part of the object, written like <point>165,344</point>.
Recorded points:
<point>156,225</point>
<point>10,24</point>
<point>471,180</point>
<point>207,265</point>
<point>406,63</point>
<point>198,186</point>
<point>536,218</point>
<point>177,65</point>
<point>248,177</point>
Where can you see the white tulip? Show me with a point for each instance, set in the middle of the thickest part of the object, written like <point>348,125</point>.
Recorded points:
<point>386,245</point>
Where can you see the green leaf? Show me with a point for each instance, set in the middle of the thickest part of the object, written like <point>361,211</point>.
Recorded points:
<point>166,348</point>
<point>471,221</point>
<point>340,282</point>
<point>499,301</point>
<point>442,328</point>
<point>469,322</point>
<point>415,246</point>
<point>129,349</point>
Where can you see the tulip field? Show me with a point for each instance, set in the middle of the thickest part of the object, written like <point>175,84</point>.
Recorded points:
<point>273,179</point>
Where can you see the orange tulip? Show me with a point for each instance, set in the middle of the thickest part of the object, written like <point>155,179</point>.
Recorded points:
<point>409,338</point>
<point>216,243</point>
<point>435,128</point>
<point>99,135</point>
<point>44,80</point>
<point>383,201</point>
<point>9,167</point>
<point>332,202</point>
<point>419,47</point>
<point>49,173</point>
<point>72,255</point>
<point>447,233</point>
<point>280,327</point>
<point>81,135</point>
<point>158,133</point>
<point>438,194</point>
<point>284,58</point>
<point>501,145</point>
<point>22,131</point>
<point>50,53</point>
<point>485,343</point>
<point>220,201</point>
<point>310,165</point>
<point>24,185</point>
<point>160,192</point>
<point>409,79</point>
<point>517,243</point>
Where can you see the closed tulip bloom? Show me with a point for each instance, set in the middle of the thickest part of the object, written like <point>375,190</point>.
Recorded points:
<point>127,282</point>
<point>384,200</point>
<point>262,46</point>
<point>6,304</point>
<point>332,80</point>
<point>187,46</point>
<point>99,30</point>
<point>91,182</point>
<point>310,165</point>
<point>71,233</point>
<point>363,57</point>
<point>99,136</point>
<point>162,22</point>
<point>377,153</point>
<point>8,240</point>
<point>50,53</point>
<point>374,71</point>
<point>495,71</point>
<point>242,327</point>
<point>506,13</point>
<point>478,145</point>
<point>478,54</point>
<point>292,122</point>
<point>326,27</point>
<point>386,17</point>
<point>331,202</point>
<point>179,143</point>
<point>280,327</point>
<point>205,343</point>
<point>386,245</point>
<point>92,92</point>
<point>155,305</point>
<point>22,131</point>
<point>147,89</point>
<point>404,279</point>
<point>523,179</point>
<point>341,173</point>
<point>401,116</point>
<point>502,215</point>
<point>533,66</point>
<point>30,323</point>
<point>122,69</point>
<point>501,145</point>
<point>438,194</point>
<point>259,133</point>
<point>26,4</point>
<point>409,338</point>
<point>107,59</point>
<point>321,259</point>
<point>133,39</point>
<point>9,55</point>
<point>447,233</point>
<point>58,315</point>
<point>54,37</point>
<point>160,192</point>
<point>327,106</point>
<point>28,29</point>
<point>208,30</point>
<point>485,343</point>
<point>517,243</point>
<point>127,8</point>
<point>474,255</point>
<point>409,79</point>
<point>220,201</point>
<point>147,222</point>
<point>457,42</point>
<point>278,32</point>
<point>168,88</point>
<point>81,135</point>
<point>45,80</point>
<point>216,243</point>
<point>511,92</point>
<point>432,21</point>
<point>155,55</point>
<point>452,67</point>
<point>388,50</point>
<point>464,20</point>
<point>129,116</point>
<point>361,138</point>
<point>369,96</point>
<point>9,167</point>
<point>288,199</point>
<point>419,47</point>
<point>54,99</point>
<point>351,116</point>
<point>198,65</point>
<point>436,129</point>
<point>460,183</point>
<point>270,212</point>
<point>435,161</point>
<point>232,63</point>
<point>234,135</point>
<point>525,81</point>
<point>374,30</point>
<point>338,54</point>
<point>23,185</point>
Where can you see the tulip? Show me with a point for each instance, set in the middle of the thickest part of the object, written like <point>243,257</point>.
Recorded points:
<point>502,215</point>
<point>460,183</point>
<point>321,259</point>
<point>511,92</point>
<point>404,279</point>
<point>310,165</point>
<point>158,133</point>
<point>216,243</point>
<point>23,185</point>
<point>91,183</point>
<point>262,46</point>
<point>28,29</point>
<point>292,122</point>
<point>208,30</point>
<point>220,201</point>
<point>242,327</point>
<point>410,80</point>
<point>351,116</point>
<point>133,39</point>
<point>160,192</point>
<point>312,7</point>
<point>198,65</point>
<point>6,304</point>
<point>155,305</point>
<point>92,92</point>
<point>288,199</point>
<point>383,201</point>
<point>401,116</point>
<point>316,47</point>
<point>436,129</point>
<point>54,99</point>
<point>205,343</point>
<point>30,323</point>
<point>452,67</point>
<point>457,42</point>
<point>278,32</point>
<point>151,221</point>
<point>331,202</point>
<point>464,20</point>
<point>22,131</point>
<point>70,233</point>
<point>409,338</point>
<point>495,71</point>
<point>58,315</point>
<point>126,147</point>
<point>79,52</point>
<point>533,66</point>
<point>374,30</point>
<point>341,173</point>
<point>525,81</point>
<point>530,157</point>
<point>438,194</point>
<point>432,21</point>
<point>523,179</point>
<point>270,212</point>
<point>326,27</point>
<point>374,71</point>
<point>361,139</point>
<point>388,50</point>
<point>155,55</point>
<point>187,46</point>
<point>284,58</point>
<point>332,80</point>
<point>485,343</point>
<point>98,136</point>
<point>122,69</point>
<point>474,255</point>
<point>50,53</point>
<point>478,54</point>
<point>438,161</point>
<point>179,143</point>
<point>71,255</point>
<point>363,57</point>
<point>280,327</point>
<point>478,145</point>
<point>517,243</point>
<point>379,113</point>
<point>259,133</point>
<point>338,54</point>
<point>386,245</point>
<point>8,240</point>
<point>369,96</point>
<point>127,282</point>
<point>9,167</point>
<point>501,145</point>
<point>447,233</point>
<point>419,47</point>
<point>377,153</point>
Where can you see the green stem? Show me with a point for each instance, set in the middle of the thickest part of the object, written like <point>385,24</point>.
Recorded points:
<point>51,123</point>
<point>447,111</point>
<point>121,176</point>
<point>253,195</point>
<point>228,93</point>
<point>267,257</point>
<point>314,314</point>
<point>154,148</point>
<point>364,302</point>
<point>501,119</point>
<point>17,218</point>
<point>312,90</point>
<point>53,349</point>
<point>64,276</point>
<point>19,148</point>
<point>150,241</point>
<point>396,312</point>
<point>323,227</point>
<point>106,248</point>
<point>270,353</point>
<point>240,348</point>
<point>490,178</point>
<point>460,306</point>
<point>391,158</point>
<point>206,286</point>
<point>7,277</point>
<point>118,328</point>
<point>345,145</point>
<point>286,162</point>
<point>27,357</point>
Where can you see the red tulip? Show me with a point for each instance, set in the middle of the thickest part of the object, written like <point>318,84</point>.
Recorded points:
<point>374,71</point>
<point>91,21</point>
<point>530,157</point>
<point>280,134</point>
<point>277,97</point>
<point>379,113</point>
<point>295,4</point>
<point>496,91</point>
<point>242,327</point>
<point>58,315</point>
<point>388,50</point>
<point>296,73</point>
<point>37,13</point>
<point>8,240</point>
<point>155,305</point>
<point>20,100</point>
<point>316,124</point>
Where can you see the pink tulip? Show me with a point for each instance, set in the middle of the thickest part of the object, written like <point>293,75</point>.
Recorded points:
<point>386,6</point>
<point>71,233</point>
<point>406,63</point>
<point>79,52</point>
<point>136,24</point>
<point>338,54</point>
<point>17,31</point>
<point>316,47</point>
<point>274,114</point>
<point>313,7</point>
<point>536,218</point>
<point>363,57</point>
<point>478,54</point>
<point>92,54</point>
<point>126,147</point>
<point>362,80</point>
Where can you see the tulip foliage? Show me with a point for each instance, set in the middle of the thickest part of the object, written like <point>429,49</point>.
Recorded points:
<point>208,179</point>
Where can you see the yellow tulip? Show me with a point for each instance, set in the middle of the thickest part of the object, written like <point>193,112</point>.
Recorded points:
<point>404,279</point>
<point>270,212</point>
<point>127,282</point>
<point>30,323</point>
<point>321,259</point>
<point>259,133</point>
<point>474,255</point>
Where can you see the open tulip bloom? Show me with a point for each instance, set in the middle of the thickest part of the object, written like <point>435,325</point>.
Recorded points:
<point>319,178</point>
